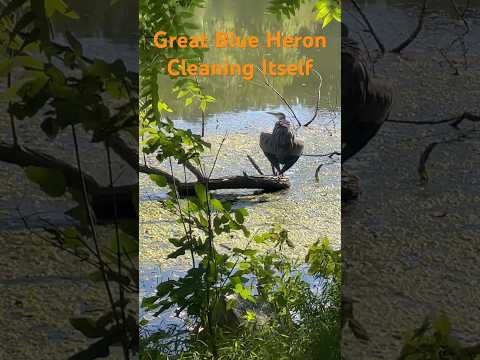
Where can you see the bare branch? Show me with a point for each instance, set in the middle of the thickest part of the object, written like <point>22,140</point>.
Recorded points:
<point>198,174</point>
<point>329,155</point>
<point>422,170</point>
<point>149,170</point>
<point>317,171</point>
<point>415,33</point>
<point>255,165</point>
<point>454,121</point>
<point>317,106</point>
<point>450,63</point>
<point>370,27</point>
<point>268,84</point>
<point>121,148</point>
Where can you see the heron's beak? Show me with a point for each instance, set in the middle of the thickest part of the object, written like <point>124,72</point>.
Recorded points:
<point>272,113</point>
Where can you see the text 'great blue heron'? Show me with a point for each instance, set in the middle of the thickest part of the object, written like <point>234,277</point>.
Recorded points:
<point>281,147</point>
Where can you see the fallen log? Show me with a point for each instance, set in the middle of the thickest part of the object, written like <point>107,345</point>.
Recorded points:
<point>103,198</point>
<point>265,183</point>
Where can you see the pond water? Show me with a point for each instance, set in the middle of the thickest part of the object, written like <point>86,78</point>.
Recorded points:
<point>310,210</point>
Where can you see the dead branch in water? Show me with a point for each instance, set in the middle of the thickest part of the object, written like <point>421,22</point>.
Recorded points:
<point>422,165</point>
<point>317,171</point>
<point>329,155</point>
<point>454,121</point>
<point>369,25</point>
<point>317,105</point>
<point>415,33</point>
<point>255,165</point>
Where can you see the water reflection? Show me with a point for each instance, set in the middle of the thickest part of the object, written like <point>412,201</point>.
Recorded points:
<point>235,94</point>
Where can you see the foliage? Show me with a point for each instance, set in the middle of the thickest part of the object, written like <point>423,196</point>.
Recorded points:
<point>327,10</point>
<point>263,307</point>
<point>433,340</point>
<point>67,90</point>
<point>240,303</point>
<point>157,130</point>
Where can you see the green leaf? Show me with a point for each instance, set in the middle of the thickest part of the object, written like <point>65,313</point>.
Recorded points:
<point>240,215</point>
<point>327,20</point>
<point>29,62</point>
<point>217,205</point>
<point>261,238</point>
<point>72,238</point>
<point>159,180</point>
<point>163,107</point>
<point>442,325</point>
<point>149,302</point>
<point>5,66</point>
<point>201,192</point>
<point>115,88</point>
<point>128,244</point>
<point>250,316</point>
<point>74,43</point>
<point>51,181</point>
<point>52,6</point>
<point>244,293</point>
<point>203,105</point>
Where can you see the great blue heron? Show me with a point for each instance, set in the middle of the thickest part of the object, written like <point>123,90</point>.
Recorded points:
<point>281,147</point>
<point>366,102</point>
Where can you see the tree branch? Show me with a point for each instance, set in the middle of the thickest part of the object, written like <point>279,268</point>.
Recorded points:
<point>149,170</point>
<point>198,174</point>
<point>121,148</point>
<point>267,83</point>
<point>454,121</point>
<point>318,99</point>
<point>255,165</point>
<point>23,156</point>
<point>415,33</point>
<point>370,27</point>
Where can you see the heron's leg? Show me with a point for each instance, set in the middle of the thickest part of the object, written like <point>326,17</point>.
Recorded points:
<point>278,171</point>
<point>274,173</point>
<point>288,164</point>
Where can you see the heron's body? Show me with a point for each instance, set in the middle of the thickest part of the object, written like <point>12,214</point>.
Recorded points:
<point>366,102</point>
<point>281,147</point>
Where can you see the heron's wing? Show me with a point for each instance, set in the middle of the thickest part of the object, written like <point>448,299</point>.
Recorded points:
<point>297,147</point>
<point>283,135</point>
<point>266,142</point>
<point>267,148</point>
<point>288,163</point>
<point>362,137</point>
<point>366,102</point>
<point>354,76</point>
<point>378,103</point>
